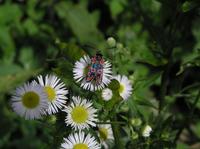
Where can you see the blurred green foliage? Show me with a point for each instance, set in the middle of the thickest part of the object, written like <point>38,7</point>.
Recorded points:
<point>158,48</point>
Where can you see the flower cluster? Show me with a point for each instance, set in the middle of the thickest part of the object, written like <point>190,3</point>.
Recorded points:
<point>46,95</point>
<point>139,128</point>
<point>80,72</point>
<point>43,96</point>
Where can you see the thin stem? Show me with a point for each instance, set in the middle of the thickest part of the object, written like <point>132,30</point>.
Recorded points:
<point>44,124</point>
<point>147,142</point>
<point>113,122</point>
<point>164,83</point>
<point>189,118</point>
<point>190,87</point>
<point>182,95</point>
<point>194,104</point>
<point>116,133</point>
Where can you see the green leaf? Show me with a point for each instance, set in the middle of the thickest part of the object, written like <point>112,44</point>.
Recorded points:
<point>64,69</point>
<point>196,129</point>
<point>9,69</point>
<point>116,7</point>
<point>9,82</point>
<point>182,146</point>
<point>7,44</point>
<point>71,51</point>
<point>30,27</point>
<point>33,12</point>
<point>144,102</point>
<point>82,23</point>
<point>27,57</point>
<point>189,5</point>
<point>9,14</point>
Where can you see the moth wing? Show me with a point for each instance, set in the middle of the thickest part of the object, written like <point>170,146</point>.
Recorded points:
<point>91,74</point>
<point>99,75</point>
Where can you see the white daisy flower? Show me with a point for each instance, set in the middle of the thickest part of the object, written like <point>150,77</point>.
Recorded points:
<point>81,70</point>
<point>107,94</point>
<point>29,101</point>
<point>125,89</point>
<point>80,141</point>
<point>56,92</point>
<point>80,114</point>
<point>146,131</point>
<point>105,134</point>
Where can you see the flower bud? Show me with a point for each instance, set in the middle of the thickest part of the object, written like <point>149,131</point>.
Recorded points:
<point>146,131</point>
<point>107,94</point>
<point>134,135</point>
<point>165,135</point>
<point>111,42</point>
<point>124,108</point>
<point>52,119</point>
<point>119,46</point>
<point>136,121</point>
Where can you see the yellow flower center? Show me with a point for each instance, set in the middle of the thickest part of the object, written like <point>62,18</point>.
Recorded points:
<point>80,146</point>
<point>79,114</point>
<point>121,88</point>
<point>30,100</point>
<point>103,132</point>
<point>51,94</point>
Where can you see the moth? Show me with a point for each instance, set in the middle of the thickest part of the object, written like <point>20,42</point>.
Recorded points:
<point>95,73</point>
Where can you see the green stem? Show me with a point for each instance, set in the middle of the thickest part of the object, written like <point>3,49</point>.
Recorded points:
<point>188,119</point>
<point>194,104</point>
<point>164,83</point>
<point>116,133</point>
<point>113,122</point>
<point>190,87</point>
<point>44,124</point>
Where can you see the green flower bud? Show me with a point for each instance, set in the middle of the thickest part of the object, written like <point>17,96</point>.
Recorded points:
<point>124,108</point>
<point>136,121</point>
<point>119,46</point>
<point>52,119</point>
<point>134,135</point>
<point>111,42</point>
<point>165,135</point>
<point>114,85</point>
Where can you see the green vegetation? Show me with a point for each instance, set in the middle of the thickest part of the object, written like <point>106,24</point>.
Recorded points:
<point>156,44</point>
